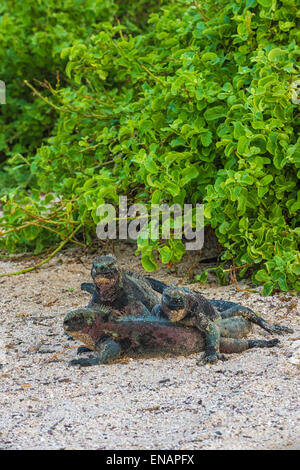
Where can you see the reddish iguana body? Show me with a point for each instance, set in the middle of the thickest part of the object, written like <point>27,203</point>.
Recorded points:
<point>148,335</point>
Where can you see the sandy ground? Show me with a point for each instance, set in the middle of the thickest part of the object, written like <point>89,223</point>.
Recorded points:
<point>249,402</point>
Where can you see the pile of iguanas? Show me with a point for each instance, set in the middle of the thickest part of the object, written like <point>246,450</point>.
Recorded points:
<point>127,316</point>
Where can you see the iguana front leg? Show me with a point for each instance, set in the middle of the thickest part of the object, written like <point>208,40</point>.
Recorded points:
<point>91,289</point>
<point>158,312</point>
<point>212,345</point>
<point>212,337</point>
<point>107,350</point>
<point>252,317</point>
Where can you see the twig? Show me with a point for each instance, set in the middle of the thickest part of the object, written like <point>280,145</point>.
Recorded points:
<point>65,107</point>
<point>58,233</point>
<point>60,247</point>
<point>40,218</point>
<point>190,271</point>
<point>21,227</point>
<point>233,278</point>
<point>235,268</point>
<point>150,73</point>
<point>41,96</point>
<point>140,65</point>
<point>54,357</point>
<point>121,34</point>
<point>196,5</point>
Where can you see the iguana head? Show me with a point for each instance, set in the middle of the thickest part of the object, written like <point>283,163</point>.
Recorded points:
<point>107,277</point>
<point>173,303</point>
<point>87,325</point>
<point>79,319</point>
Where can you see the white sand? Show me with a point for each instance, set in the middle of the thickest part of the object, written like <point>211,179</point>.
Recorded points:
<point>249,402</point>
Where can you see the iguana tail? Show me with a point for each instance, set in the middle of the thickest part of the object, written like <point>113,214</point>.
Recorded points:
<point>158,286</point>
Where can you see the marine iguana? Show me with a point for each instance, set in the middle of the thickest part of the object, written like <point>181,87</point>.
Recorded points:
<point>123,291</point>
<point>148,335</point>
<point>190,308</point>
<point>126,293</point>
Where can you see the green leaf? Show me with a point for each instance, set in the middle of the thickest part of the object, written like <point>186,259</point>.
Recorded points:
<point>202,277</point>
<point>148,264</point>
<point>206,139</point>
<point>266,180</point>
<point>242,147</point>
<point>282,282</point>
<point>188,174</point>
<point>156,197</point>
<point>239,130</point>
<point>215,113</point>
<point>262,276</point>
<point>209,56</point>
<point>268,288</point>
<point>265,3</point>
<point>275,53</point>
<point>165,254</point>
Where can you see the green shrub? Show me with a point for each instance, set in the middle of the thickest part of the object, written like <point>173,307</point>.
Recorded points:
<point>195,108</point>
<point>32,36</point>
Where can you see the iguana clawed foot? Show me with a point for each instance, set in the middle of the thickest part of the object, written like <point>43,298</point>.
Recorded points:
<point>261,343</point>
<point>212,358</point>
<point>116,315</point>
<point>272,342</point>
<point>84,362</point>
<point>274,329</point>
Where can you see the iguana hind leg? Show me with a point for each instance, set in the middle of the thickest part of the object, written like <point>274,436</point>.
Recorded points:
<point>234,327</point>
<point>234,345</point>
<point>216,344</point>
<point>222,305</point>
<point>248,314</point>
<point>107,350</point>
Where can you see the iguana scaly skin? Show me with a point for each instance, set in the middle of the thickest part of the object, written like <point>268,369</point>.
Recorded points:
<point>149,335</point>
<point>181,305</point>
<point>124,292</point>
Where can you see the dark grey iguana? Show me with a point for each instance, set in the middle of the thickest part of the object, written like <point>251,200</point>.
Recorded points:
<point>149,335</point>
<point>189,308</point>
<point>123,291</point>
